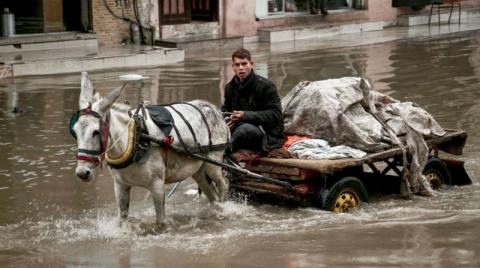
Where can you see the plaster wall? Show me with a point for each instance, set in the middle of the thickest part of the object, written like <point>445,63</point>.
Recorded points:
<point>238,17</point>
<point>155,17</point>
<point>381,10</point>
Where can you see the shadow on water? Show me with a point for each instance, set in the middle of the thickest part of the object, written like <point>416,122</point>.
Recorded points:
<point>50,218</point>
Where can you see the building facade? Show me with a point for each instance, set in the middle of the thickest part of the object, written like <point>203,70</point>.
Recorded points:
<point>118,22</point>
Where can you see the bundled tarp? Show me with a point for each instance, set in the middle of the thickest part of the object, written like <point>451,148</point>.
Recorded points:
<point>347,111</point>
<point>320,149</point>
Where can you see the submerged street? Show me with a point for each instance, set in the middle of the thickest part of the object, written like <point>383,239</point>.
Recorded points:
<point>49,218</point>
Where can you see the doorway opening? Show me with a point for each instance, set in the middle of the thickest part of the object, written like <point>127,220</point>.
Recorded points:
<point>39,16</point>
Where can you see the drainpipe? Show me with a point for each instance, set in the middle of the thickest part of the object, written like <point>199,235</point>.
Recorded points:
<point>137,17</point>
<point>138,23</point>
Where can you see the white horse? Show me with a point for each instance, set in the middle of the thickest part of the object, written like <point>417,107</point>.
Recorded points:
<point>159,165</point>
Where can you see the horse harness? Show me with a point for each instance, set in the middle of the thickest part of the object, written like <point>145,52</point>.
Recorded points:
<point>104,127</point>
<point>139,139</point>
<point>198,148</point>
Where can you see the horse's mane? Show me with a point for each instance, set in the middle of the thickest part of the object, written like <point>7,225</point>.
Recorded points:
<point>121,110</point>
<point>121,107</point>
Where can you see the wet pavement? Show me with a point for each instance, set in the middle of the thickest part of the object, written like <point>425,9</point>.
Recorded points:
<point>49,218</point>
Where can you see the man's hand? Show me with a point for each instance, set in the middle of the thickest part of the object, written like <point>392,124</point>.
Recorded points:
<point>237,116</point>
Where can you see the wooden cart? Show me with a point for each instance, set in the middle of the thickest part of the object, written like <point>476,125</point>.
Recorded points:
<point>340,185</point>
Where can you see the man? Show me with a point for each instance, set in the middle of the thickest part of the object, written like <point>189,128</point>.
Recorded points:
<point>253,103</point>
<point>313,7</point>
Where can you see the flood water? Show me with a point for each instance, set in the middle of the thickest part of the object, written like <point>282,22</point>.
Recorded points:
<point>49,218</point>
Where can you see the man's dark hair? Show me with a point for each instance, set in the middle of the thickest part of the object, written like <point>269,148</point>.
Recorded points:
<point>242,54</point>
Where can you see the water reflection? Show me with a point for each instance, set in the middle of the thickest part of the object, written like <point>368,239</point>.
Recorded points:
<point>49,218</point>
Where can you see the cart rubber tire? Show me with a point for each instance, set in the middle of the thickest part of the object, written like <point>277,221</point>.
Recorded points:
<point>437,174</point>
<point>344,195</point>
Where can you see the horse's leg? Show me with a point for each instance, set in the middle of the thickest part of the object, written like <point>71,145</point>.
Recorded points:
<point>201,179</point>
<point>122,195</point>
<point>215,173</point>
<point>157,190</point>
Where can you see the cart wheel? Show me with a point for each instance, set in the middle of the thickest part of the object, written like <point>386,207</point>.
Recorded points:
<point>437,174</point>
<point>343,196</point>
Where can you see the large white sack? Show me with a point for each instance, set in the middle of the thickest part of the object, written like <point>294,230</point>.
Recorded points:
<point>332,110</point>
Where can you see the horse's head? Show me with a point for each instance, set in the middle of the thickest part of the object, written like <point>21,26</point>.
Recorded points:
<point>90,127</point>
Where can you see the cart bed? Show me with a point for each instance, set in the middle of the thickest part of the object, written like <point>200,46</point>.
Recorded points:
<point>452,142</point>
<point>306,177</point>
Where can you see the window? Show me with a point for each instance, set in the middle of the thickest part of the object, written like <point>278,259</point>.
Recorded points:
<point>276,6</point>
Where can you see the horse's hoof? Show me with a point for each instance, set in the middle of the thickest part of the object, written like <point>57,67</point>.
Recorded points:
<point>121,222</point>
<point>224,198</point>
<point>216,207</point>
<point>159,228</point>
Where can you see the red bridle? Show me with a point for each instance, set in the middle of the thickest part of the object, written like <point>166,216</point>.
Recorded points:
<point>93,156</point>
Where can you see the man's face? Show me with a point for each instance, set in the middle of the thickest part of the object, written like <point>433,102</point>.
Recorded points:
<point>242,67</point>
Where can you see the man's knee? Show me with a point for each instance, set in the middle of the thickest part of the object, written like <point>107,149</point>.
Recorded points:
<point>247,130</point>
<point>247,136</point>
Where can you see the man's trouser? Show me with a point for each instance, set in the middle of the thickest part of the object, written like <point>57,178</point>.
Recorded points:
<point>247,136</point>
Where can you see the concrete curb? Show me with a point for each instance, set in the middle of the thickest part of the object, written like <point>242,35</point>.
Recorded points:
<point>145,59</point>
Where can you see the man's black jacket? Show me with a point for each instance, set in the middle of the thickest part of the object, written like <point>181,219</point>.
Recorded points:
<point>258,98</point>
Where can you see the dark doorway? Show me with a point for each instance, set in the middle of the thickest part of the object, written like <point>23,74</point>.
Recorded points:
<point>76,15</point>
<point>72,15</point>
<point>206,10</point>
<point>28,15</point>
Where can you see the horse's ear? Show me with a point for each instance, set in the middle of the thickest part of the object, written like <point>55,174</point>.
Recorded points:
<point>96,97</point>
<point>86,91</point>
<point>107,101</point>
